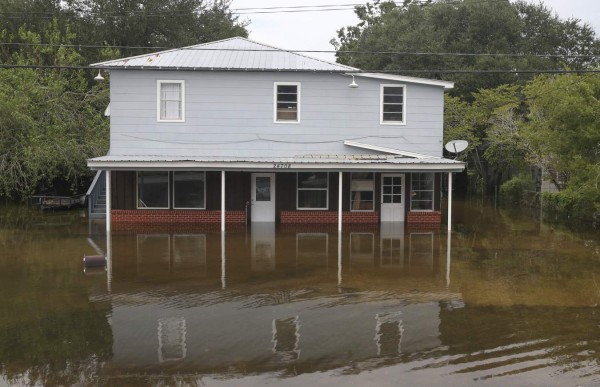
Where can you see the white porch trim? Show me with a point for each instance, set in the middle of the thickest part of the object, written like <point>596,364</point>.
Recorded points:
<point>388,150</point>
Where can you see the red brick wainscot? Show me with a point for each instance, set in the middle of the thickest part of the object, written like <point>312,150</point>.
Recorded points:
<point>175,216</point>
<point>424,217</point>
<point>325,217</point>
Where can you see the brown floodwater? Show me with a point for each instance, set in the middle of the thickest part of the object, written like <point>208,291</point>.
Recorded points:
<point>503,300</point>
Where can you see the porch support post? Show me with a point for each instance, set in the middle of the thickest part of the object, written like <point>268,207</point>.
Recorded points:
<point>449,201</point>
<point>340,202</point>
<point>108,204</point>
<point>222,200</point>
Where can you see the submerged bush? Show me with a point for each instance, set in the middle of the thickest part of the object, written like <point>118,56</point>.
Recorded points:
<point>568,204</point>
<point>515,190</point>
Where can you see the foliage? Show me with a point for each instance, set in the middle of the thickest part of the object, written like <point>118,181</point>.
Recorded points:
<point>519,30</point>
<point>490,123</point>
<point>562,130</point>
<point>514,190</point>
<point>155,23</point>
<point>51,119</point>
<point>568,204</point>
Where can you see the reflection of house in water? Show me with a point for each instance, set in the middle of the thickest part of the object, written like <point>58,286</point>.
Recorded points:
<point>203,327</point>
<point>286,337</point>
<point>171,339</point>
<point>362,248</point>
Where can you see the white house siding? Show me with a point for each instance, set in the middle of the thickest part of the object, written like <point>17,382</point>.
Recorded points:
<point>231,114</point>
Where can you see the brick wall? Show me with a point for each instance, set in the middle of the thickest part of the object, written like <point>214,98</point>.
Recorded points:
<point>175,216</point>
<point>424,217</point>
<point>327,217</point>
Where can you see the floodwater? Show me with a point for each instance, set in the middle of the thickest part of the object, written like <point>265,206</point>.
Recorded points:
<point>506,300</point>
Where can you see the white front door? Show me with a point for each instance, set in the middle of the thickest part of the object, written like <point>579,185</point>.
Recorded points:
<point>392,197</point>
<point>263,197</point>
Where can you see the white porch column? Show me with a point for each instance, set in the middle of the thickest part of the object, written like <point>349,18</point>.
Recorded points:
<point>108,204</point>
<point>340,202</point>
<point>222,200</point>
<point>449,201</point>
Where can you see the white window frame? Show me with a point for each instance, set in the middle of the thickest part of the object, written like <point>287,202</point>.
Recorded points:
<point>299,102</point>
<point>381,90</point>
<point>432,193</point>
<point>312,189</point>
<point>173,188</point>
<point>159,84</point>
<point>350,193</point>
<point>137,192</point>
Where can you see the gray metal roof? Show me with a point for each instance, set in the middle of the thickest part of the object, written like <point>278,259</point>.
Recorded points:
<point>321,162</point>
<point>229,54</point>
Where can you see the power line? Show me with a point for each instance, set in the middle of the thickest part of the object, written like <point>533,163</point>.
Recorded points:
<point>411,53</point>
<point>235,11</point>
<point>431,71</point>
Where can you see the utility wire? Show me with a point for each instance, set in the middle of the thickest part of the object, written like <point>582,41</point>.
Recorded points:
<point>432,71</point>
<point>237,11</point>
<point>411,53</point>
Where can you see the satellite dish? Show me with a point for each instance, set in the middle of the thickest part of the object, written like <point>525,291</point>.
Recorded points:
<point>456,146</point>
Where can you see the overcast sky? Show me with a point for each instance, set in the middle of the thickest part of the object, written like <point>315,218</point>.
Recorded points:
<point>314,30</point>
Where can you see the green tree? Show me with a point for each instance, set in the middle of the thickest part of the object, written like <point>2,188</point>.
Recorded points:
<point>50,120</point>
<point>519,30</point>
<point>155,23</point>
<point>564,138</point>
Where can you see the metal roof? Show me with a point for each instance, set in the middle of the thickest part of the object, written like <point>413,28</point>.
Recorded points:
<point>365,161</point>
<point>228,54</point>
<point>403,78</point>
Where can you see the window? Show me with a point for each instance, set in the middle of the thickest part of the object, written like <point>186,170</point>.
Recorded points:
<point>171,101</point>
<point>421,192</point>
<point>313,190</point>
<point>153,189</point>
<point>287,102</point>
<point>362,191</point>
<point>189,190</point>
<point>393,104</point>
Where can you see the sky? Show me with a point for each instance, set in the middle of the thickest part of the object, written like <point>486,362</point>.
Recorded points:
<point>314,30</point>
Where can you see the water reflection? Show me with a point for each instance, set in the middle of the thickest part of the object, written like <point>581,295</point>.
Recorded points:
<point>512,302</point>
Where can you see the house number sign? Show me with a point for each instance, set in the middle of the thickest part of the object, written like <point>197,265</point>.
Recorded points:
<point>282,165</point>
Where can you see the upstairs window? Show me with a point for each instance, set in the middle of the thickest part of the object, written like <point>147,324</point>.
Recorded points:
<point>171,101</point>
<point>393,104</point>
<point>287,102</point>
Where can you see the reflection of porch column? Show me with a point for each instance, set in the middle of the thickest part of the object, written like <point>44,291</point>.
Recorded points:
<point>340,202</point>
<point>222,200</point>
<point>449,201</point>
<point>109,262</point>
<point>448,258</point>
<point>340,258</point>
<point>223,283</point>
<point>108,204</point>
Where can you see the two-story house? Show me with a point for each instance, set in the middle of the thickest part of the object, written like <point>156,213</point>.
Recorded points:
<point>236,131</point>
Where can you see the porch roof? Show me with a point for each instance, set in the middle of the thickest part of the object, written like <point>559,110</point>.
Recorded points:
<point>372,162</point>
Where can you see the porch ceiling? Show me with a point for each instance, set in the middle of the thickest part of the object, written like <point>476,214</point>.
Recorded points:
<point>314,162</point>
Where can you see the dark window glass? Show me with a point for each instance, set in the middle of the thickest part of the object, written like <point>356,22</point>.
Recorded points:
<point>153,189</point>
<point>263,189</point>
<point>287,103</point>
<point>188,189</point>
<point>393,104</point>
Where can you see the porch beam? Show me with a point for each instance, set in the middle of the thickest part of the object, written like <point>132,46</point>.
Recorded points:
<point>449,201</point>
<point>222,200</point>
<point>340,202</point>
<point>108,203</point>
